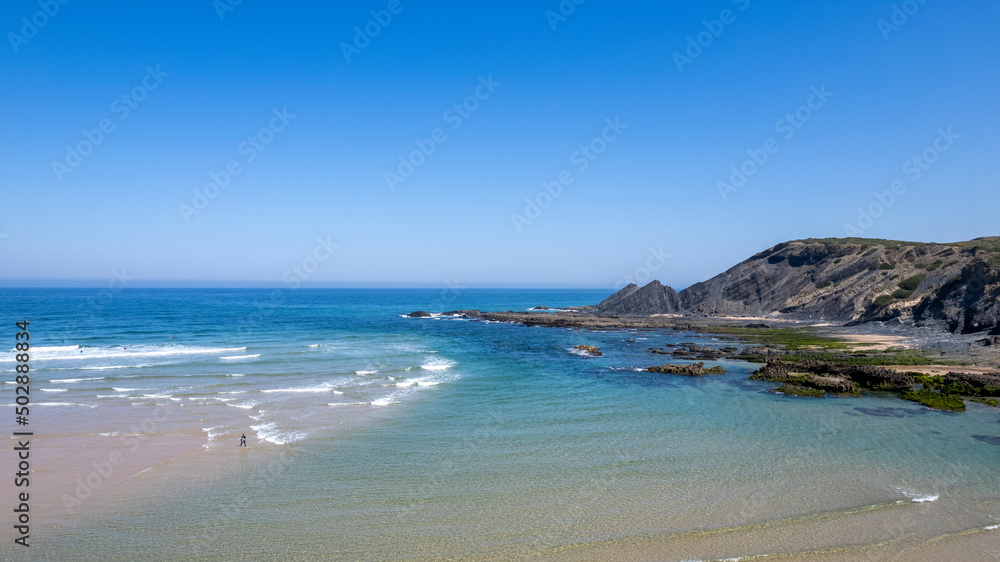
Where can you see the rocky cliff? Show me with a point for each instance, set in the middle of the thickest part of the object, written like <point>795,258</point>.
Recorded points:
<point>654,298</point>
<point>843,280</point>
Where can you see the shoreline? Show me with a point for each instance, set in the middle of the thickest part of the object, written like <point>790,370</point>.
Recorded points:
<point>950,347</point>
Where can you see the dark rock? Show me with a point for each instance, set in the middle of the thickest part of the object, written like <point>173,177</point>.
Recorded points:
<point>654,298</point>
<point>758,326</point>
<point>463,313</point>
<point>868,377</point>
<point>795,390</point>
<point>589,350</point>
<point>975,380</point>
<point>539,308</point>
<point>690,370</point>
<point>419,314</point>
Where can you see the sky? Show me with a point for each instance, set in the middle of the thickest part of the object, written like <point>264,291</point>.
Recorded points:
<point>580,143</point>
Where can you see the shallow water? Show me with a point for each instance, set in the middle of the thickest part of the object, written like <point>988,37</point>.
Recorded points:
<point>380,437</point>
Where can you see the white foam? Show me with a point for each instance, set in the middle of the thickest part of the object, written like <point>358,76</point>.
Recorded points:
<point>235,375</point>
<point>365,372</point>
<point>79,380</point>
<point>51,349</point>
<point>325,387</point>
<point>418,382</point>
<point>314,345</point>
<point>348,404</point>
<point>384,401</point>
<point>63,404</point>
<point>243,406</point>
<point>437,364</point>
<point>54,389</point>
<point>917,497</point>
<point>123,389</point>
<point>269,432</point>
<point>239,357</point>
<point>73,352</point>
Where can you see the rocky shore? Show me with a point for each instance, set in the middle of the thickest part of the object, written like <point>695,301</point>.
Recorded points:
<point>807,359</point>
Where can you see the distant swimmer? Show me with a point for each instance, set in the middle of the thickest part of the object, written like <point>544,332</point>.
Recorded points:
<point>243,440</point>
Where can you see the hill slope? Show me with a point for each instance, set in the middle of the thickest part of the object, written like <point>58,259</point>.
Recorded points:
<point>844,280</point>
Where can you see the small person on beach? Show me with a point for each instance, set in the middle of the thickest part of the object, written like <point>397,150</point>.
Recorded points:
<point>243,440</point>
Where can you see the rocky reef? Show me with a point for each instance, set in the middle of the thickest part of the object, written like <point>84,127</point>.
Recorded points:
<point>687,370</point>
<point>589,350</point>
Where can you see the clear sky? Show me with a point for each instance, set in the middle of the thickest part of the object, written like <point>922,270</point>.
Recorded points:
<point>497,98</point>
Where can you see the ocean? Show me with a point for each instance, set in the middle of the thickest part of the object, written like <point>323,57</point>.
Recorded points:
<point>376,436</point>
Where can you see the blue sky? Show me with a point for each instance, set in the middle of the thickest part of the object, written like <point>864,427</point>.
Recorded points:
<point>202,90</point>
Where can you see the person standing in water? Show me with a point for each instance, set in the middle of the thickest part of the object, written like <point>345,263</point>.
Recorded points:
<point>243,440</point>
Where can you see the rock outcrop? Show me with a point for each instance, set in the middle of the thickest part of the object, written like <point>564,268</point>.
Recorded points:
<point>834,377</point>
<point>590,350</point>
<point>844,280</point>
<point>690,370</point>
<point>654,298</point>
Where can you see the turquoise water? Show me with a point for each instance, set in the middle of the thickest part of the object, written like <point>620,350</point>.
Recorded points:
<point>375,436</point>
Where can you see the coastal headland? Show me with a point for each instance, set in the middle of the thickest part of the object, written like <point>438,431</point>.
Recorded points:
<point>837,316</point>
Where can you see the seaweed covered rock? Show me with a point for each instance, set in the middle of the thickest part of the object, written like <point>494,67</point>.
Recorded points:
<point>795,390</point>
<point>785,373</point>
<point>689,370</point>
<point>589,350</point>
<point>824,375</point>
<point>972,384</point>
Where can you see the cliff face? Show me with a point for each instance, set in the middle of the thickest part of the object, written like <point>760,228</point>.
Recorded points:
<point>844,280</point>
<point>654,298</point>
